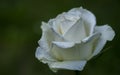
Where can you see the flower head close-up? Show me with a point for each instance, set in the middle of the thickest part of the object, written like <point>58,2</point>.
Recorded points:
<point>71,39</point>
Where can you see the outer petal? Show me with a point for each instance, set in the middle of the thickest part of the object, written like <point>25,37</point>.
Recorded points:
<point>71,65</point>
<point>43,52</point>
<point>81,51</point>
<point>43,55</point>
<point>87,17</point>
<point>99,46</point>
<point>48,35</point>
<point>45,41</point>
<point>107,34</point>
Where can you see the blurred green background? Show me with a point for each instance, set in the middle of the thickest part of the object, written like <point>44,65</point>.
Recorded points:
<point>20,22</point>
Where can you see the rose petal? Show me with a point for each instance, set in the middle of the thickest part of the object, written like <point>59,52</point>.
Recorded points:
<point>61,24</point>
<point>43,52</point>
<point>89,45</point>
<point>83,27</point>
<point>87,17</point>
<point>48,36</point>
<point>107,32</point>
<point>43,55</point>
<point>57,37</point>
<point>56,24</point>
<point>76,33</point>
<point>99,46</point>
<point>80,51</point>
<point>64,44</point>
<point>45,41</point>
<point>71,65</point>
<point>95,42</point>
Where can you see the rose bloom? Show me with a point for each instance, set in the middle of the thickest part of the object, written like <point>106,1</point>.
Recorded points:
<point>71,39</point>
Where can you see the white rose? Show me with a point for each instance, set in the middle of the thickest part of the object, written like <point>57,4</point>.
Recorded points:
<point>71,39</point>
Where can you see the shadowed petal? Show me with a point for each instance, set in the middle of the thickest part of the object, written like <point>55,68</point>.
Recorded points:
<point>107,35</point>
<point>71,65</point>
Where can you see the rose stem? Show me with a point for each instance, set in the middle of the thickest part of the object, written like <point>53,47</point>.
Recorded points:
<point>77,72</point>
